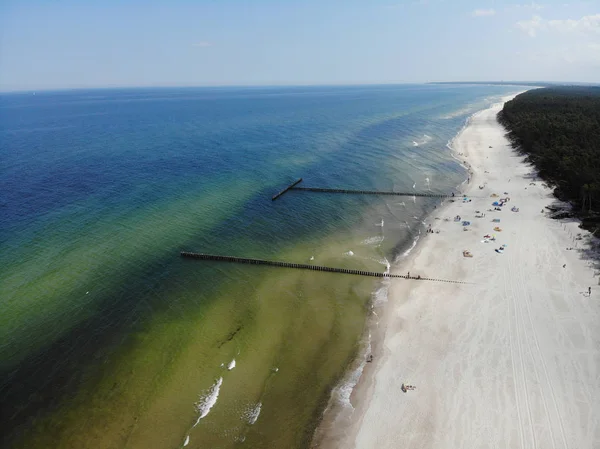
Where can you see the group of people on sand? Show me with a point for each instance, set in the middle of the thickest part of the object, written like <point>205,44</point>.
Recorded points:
<point>406,387</point>
<point>431,231</point>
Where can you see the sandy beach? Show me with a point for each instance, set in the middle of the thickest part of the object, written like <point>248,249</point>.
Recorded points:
<point>511,360</point>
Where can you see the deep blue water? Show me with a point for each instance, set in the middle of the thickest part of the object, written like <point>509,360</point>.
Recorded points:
<point>122,147</point>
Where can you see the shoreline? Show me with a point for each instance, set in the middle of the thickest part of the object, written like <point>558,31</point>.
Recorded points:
<point>411,341</point>
<point>330,430</point>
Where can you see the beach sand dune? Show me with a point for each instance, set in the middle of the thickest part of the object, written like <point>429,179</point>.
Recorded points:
<point>511,361</point>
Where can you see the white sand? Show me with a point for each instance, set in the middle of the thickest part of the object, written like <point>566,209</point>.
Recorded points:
<point>512,361</point>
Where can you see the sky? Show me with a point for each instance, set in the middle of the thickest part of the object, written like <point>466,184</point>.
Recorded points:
<point>57,44</point>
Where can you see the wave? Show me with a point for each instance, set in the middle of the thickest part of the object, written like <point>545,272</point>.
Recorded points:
<point>422,141</point>
<point>207,400</point>
<point>252,413</point>
<point>414,243</point>
<point>457,113</point>
<point>375,240</point>
<point>451,143</point>
<point>343,391</point>
<point>380,295</point>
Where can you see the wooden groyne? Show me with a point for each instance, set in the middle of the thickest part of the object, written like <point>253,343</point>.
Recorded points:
<point>294,186</point>
<point>291,186</point>
<point>302,266</point>
<point>368,192</point>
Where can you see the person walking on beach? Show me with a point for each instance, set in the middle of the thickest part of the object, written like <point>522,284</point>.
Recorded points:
<point>589,291</point>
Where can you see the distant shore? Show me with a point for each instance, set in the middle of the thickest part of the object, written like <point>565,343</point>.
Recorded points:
<point>487,360</point>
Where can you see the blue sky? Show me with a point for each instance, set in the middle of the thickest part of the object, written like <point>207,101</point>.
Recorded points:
<point>73,44</point>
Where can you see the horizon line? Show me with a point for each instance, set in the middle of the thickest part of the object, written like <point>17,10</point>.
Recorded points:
<point>221,86</point>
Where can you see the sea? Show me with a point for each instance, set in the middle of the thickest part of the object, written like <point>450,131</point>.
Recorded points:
<point>110,339</point>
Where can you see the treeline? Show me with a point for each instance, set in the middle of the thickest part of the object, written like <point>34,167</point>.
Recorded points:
<point>558,128</point>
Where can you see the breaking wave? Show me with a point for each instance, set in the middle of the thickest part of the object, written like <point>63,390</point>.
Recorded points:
<point>422,141</point>
<point>252,413</point>
<point>207,400</point>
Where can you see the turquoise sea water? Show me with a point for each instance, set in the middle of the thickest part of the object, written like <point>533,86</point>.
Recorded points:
<point>109,339</point>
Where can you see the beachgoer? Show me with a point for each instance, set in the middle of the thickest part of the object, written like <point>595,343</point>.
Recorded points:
<point>408,275</point>
<point>589,291</point>
<point>564,265</point>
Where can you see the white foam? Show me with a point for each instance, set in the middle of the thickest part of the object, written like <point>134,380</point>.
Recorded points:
<point>187,441</point>
<point>375,240</point>
<point>457,113</point>
<point>231,365</point>
<point>348,253</point>
<point>422,141</point>
<point>383,261</point>
<point>251,414</point>
<point>207,400</point>
<point>414,243</point>
<point>344,390</point>
<point>380,296</point>
<point>451,142</point>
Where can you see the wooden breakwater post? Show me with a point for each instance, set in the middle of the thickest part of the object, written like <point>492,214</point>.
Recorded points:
<point>295,183</point>
<point>303,266</point>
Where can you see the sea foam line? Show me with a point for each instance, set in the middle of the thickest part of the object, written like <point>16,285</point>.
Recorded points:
<point>252,413</point>
<point>344,390</point>
<point>414,243</point>
<point>375,240</point>
<point>208,400</point>
<point>422,141</point>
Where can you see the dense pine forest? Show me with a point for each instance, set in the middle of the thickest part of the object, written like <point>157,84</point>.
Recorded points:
<point>558,128</point>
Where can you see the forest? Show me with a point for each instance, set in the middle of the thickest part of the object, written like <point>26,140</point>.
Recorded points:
<point>558,129</point>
